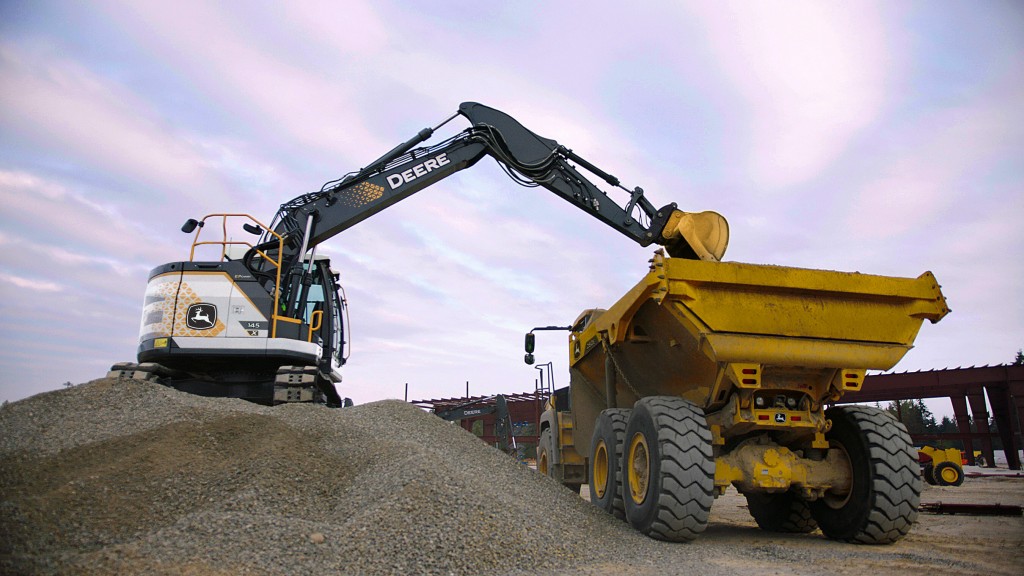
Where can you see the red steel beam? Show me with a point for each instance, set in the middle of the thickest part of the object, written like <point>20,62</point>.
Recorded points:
<point>933,383</point>
<point>1004,386</point>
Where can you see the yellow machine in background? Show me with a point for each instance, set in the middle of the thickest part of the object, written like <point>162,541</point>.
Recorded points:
<point>711,374</point>
<point>941,467</point>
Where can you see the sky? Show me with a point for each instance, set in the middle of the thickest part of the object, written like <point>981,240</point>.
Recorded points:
<point>884,138</point>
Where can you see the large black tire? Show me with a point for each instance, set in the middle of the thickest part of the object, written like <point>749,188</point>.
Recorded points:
<point>928,473</point>
<point>948,474</point>
<point>544,448</point>
<point>881,505</point>
<point>668,469</point>
<point>606,461</point>
<point>785,512</point>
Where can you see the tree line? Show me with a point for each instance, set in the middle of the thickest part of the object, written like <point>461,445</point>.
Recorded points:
<point>919,420</point>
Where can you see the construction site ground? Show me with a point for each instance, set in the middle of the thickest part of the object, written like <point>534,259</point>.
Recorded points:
<point>938,543</point>
<point>128,477</point>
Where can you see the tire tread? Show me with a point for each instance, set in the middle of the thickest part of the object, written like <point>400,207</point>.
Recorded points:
<point>895,482</point>
<point>687,469</point>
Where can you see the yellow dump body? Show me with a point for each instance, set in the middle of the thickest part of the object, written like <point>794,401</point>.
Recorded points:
<point>721,333</point>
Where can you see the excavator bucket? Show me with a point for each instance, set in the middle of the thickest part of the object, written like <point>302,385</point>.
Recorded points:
<point>704,235</point>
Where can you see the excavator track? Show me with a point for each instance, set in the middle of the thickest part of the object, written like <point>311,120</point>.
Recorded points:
<point>289,385</point>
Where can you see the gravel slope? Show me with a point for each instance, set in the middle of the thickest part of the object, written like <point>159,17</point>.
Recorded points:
<point>128,477</point>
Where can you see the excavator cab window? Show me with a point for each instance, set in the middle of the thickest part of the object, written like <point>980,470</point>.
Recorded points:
<point>321,295</point>
<point>314,302</point>
<point>338,334</point>
<point>332,330</point>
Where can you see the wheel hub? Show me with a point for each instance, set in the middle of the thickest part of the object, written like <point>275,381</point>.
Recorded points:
<point>600,469</point>
<point>836,499</point>
<point>949,475</point>
<point>639,470</point>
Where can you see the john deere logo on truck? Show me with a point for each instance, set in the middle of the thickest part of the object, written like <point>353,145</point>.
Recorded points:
<point>201,316</point>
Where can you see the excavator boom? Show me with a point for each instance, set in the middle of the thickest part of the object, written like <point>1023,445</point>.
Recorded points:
<point>528,158</point>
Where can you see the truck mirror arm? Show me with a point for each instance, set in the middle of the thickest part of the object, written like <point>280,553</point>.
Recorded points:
<point>531,340</point>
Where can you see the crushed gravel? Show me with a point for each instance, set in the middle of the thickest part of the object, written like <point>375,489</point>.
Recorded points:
<point>130,477</point>
<point>120,476</point>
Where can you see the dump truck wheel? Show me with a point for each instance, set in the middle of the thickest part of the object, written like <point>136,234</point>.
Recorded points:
<point>544,453</point>
<point>606,461</point>
<point>882,502</point>
<point>668,469</point>
<point>948,474</point>
<point>784,512</point>
<point>928,473</point>
<point>545,448</point>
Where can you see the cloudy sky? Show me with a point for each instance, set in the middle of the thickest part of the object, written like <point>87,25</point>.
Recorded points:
<point>876,137</point>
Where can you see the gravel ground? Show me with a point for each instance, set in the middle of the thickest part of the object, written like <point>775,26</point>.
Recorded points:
<point>128,477</point>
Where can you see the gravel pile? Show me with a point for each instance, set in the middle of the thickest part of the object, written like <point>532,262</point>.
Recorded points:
<point>128,477</point>
<point>121,476</point>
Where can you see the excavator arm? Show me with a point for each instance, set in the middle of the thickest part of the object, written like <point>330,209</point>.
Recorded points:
<point>280,327</point>
<point>528,158</point>
<point>481,407</point>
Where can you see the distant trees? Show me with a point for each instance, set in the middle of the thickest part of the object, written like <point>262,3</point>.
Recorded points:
<point>948,426</point>
<point>1019,360</point>
<point>915,416</point>
<point>919,420</point>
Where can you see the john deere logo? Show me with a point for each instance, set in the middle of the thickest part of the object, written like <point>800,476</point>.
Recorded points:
<point>780,417</point>
<point>201,316</point>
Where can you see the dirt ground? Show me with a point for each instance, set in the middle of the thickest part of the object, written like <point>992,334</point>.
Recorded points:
<point>938,544</point>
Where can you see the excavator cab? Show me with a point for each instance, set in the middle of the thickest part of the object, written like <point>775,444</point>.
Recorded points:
<point>233,326</point>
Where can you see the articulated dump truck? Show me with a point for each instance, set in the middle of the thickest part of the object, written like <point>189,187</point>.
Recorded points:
<point>714,374</point>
